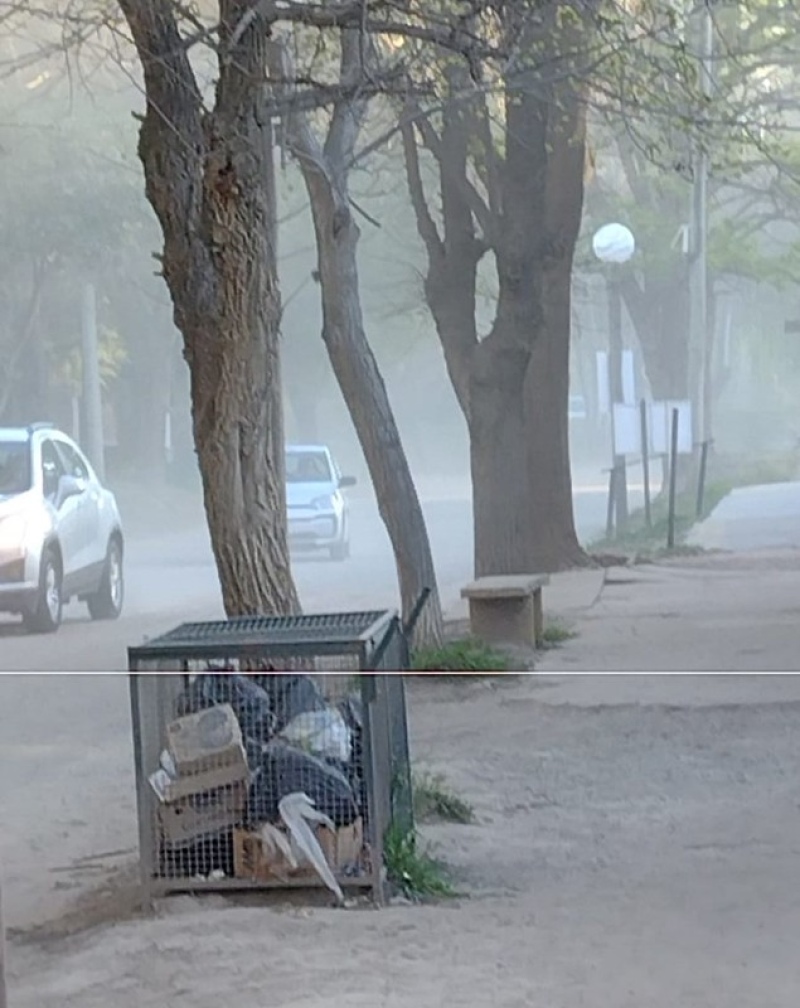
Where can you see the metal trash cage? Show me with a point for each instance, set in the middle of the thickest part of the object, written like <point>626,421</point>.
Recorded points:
<point>261,711</point>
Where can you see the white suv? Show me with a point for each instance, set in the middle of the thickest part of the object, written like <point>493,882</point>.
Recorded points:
<point>60,530</point>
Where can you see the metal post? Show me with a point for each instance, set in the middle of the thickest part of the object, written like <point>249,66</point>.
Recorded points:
<point>701,478</point>
<point>3,990</point>
<point>92,399</point>
<point>673,471</point>
<point>699,336</point>
<point>615,383</point>
<point>610,511</point>
<point>648,517</point>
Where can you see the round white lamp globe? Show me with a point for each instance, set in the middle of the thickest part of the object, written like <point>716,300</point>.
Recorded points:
<point>614,243</point>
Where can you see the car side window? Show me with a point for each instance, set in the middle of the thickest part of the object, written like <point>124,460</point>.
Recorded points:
<point>73,463</point>
<point>52,469</point>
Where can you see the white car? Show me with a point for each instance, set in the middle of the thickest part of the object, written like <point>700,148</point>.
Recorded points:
<point>60,530</point>
<point>317,510</point>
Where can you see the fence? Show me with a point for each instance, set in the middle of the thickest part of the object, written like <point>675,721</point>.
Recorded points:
<point>258,712</point>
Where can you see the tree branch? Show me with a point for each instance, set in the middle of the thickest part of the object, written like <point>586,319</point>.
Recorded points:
<point>469,193</point>
<point>425,222</point>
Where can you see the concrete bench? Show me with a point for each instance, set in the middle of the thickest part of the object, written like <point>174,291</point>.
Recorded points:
<point>507,608</point>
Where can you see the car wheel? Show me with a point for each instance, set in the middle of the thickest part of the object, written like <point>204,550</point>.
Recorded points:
<point>46,616</point>
<point>341,550</point>
<point>106,603</point>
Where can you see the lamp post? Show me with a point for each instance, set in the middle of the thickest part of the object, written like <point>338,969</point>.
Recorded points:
<point>614,246</point>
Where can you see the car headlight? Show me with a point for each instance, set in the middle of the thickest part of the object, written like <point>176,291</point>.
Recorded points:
<point>323,503</point>
<point>13,533</point>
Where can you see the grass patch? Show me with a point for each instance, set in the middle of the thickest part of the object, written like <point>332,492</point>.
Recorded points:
<point>465,655</point>
<point>641,542</point>
<point>555,634</point>
<point>413,871</point>
<point>435,801</point>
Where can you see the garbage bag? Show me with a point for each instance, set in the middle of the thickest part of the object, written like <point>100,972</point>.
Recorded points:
<point>352,710</point>
<point>290,695</point>
<point>284,770</point>
<point>321,732</point>
<point>250,702</point>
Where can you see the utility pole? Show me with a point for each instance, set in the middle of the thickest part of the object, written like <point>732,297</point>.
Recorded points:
<point>620,478</point>
<point>700,336</point>
<point>93,441</point>
<point>3,992</point>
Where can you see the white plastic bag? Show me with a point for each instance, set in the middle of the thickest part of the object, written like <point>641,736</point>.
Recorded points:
<point>322,733</point>
<point>297,811</point>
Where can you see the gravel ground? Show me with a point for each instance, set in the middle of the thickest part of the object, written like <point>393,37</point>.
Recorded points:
<point>636,844</point>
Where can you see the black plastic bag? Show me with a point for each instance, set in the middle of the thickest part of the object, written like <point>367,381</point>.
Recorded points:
<point>251,704</point>
<point>290,695</point>
<point>352,710</point>
<point>284,770</point>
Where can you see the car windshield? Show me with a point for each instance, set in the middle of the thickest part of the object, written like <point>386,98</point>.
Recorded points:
<point>15,468</point>
<point>307,467</point>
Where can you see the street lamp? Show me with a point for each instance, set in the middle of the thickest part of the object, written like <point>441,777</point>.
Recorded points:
<point>614,245</point>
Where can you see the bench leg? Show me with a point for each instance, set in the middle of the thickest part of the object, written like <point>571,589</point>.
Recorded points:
<point>538,618</point>
<point>504,621</point>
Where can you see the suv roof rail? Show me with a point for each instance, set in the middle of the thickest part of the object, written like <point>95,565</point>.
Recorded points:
<point>40,425</point>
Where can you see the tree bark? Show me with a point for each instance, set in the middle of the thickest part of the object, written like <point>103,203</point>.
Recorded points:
<point>365,393</point>
<point>325,170</point>
<point>659,310</point>
<point>210,179</point>
<point>513,385</point>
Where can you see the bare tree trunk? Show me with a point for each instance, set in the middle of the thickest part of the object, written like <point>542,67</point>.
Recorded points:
<point>209,177</point>
<point>365,393</point>
<point>512,384</point>
<point>659,311</point>
<point>325,171</point>
<point>555,543</point>
<point>497,427</point>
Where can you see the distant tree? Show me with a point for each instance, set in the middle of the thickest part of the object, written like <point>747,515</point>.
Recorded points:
<point>70,215</point>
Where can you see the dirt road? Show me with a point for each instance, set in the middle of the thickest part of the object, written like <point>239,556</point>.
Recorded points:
<point>636,845</point>
<point>171,578</point>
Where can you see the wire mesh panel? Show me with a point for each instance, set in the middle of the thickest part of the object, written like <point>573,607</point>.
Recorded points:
<point>251,773</point>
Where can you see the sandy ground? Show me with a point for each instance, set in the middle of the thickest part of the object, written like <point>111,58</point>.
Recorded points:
<point>636,841</point>
<point>636,844</point>
<point>711,613</point>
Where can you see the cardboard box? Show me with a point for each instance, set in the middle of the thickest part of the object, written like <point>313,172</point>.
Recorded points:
<point>344,847</point>
<point>173,789</point>
<point>205,741</point>
<point>202,812</point>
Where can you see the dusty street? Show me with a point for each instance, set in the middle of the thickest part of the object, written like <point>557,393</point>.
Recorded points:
<point>636,845</point>
<point>171,577</point>
<point>636,840</point>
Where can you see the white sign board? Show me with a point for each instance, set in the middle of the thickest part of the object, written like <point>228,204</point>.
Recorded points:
<point>627,430</point>
<point>603,398</point>
<point>661,426</point>
<point>628,378</point>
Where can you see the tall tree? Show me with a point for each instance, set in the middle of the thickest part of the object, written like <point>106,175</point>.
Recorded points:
<point>210,179</point>
<point>517,195</point>
<point>326,169</point>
